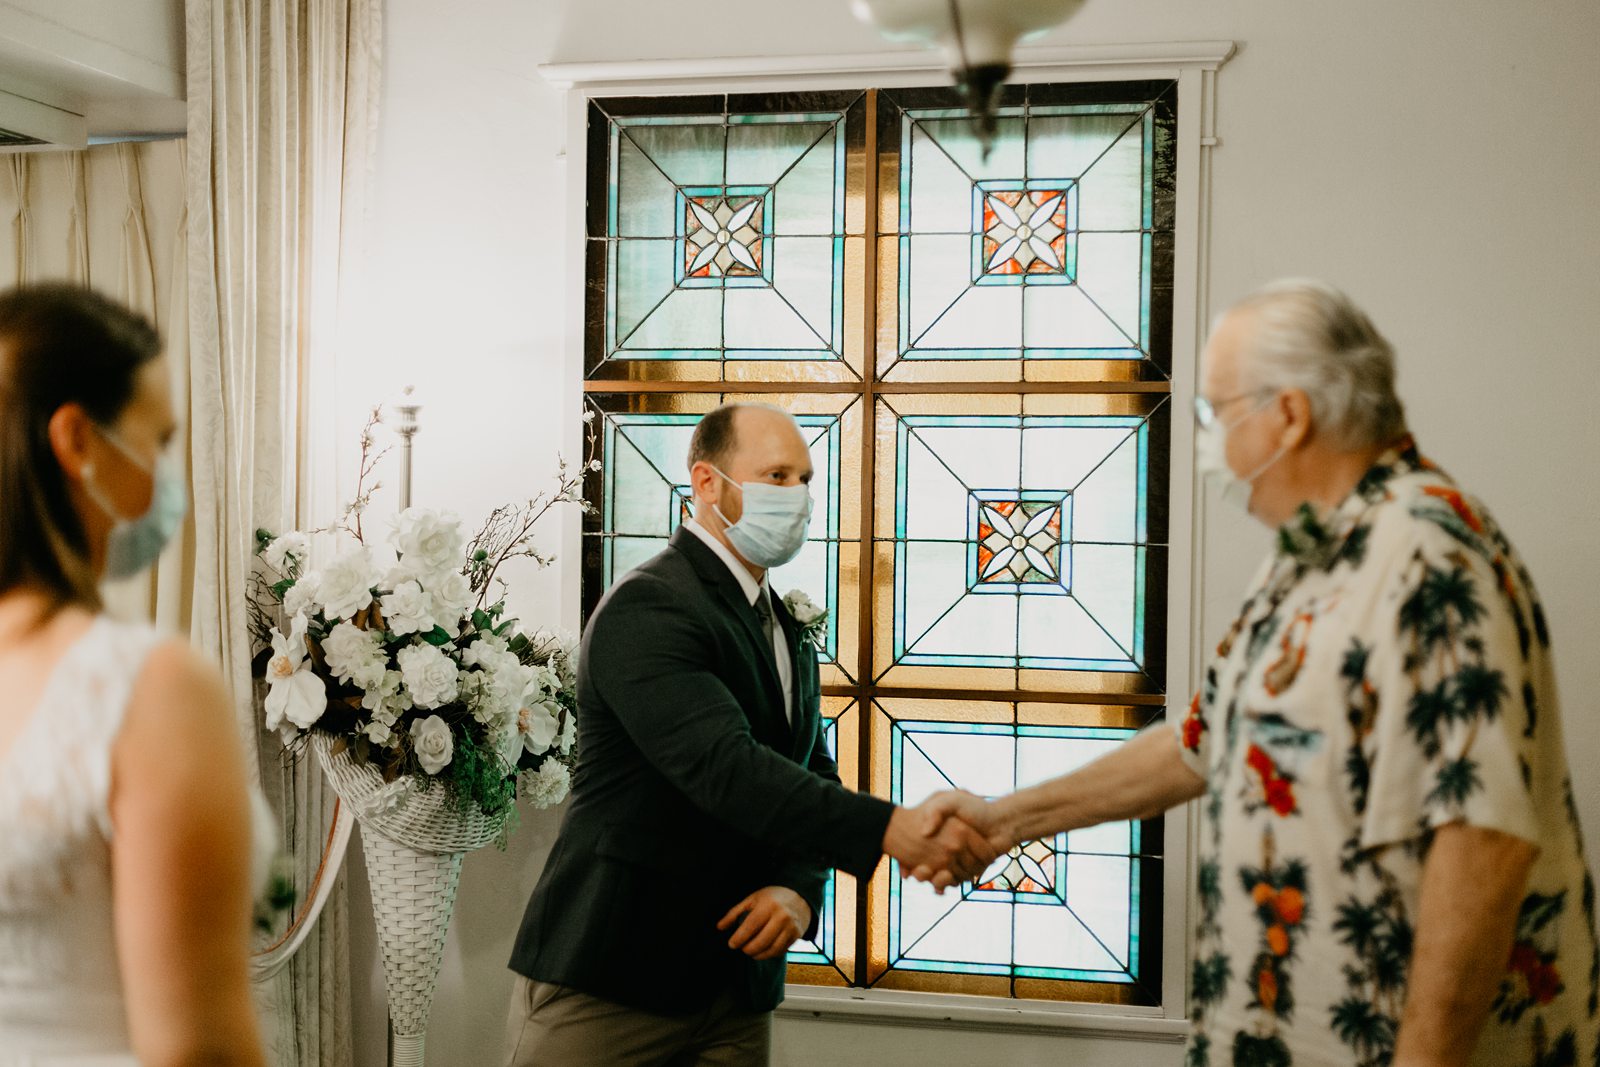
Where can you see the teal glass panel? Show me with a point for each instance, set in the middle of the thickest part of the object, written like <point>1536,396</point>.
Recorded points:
<point>645,498</point>
<point>821,951</point>
<point>1054,232</point>
<point>1066,907</point>
<point>724,237</point>
<point>1021,541</point>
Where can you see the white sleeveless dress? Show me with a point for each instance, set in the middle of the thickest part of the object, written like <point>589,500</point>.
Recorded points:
<point>61,1002</point>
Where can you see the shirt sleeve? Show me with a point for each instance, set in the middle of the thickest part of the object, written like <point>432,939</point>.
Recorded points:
<point>1194,735</point>
<point>1450,735</point>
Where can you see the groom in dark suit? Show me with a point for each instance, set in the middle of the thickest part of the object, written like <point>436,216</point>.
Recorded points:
<point>706,811</point>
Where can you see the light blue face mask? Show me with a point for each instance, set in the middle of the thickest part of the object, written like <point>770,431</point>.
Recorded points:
<point>136,544</point>
<point>772,530</point>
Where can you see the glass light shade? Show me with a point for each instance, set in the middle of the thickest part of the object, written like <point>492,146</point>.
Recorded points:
<point>976,36</point>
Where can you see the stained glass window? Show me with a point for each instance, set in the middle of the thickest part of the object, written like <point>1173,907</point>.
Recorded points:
<point>978,350</point>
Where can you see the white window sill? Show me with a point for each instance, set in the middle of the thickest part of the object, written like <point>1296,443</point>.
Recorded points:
<point>895,1008</point>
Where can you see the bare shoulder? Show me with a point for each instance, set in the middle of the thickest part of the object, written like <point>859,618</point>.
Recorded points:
<point>179,700</point>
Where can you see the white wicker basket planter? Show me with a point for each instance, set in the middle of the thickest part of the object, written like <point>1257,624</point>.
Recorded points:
<point>413,839</point>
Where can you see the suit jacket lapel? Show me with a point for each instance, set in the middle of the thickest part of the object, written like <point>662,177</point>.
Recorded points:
<point>715,572</point>
<point>801,728</point>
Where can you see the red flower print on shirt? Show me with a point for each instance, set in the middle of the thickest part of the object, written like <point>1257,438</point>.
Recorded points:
<point>1276,790</point>
<point>1193,726</point>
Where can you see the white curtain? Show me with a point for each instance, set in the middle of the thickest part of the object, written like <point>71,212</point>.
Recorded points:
<point>282,99</point>
<point>112,217</point>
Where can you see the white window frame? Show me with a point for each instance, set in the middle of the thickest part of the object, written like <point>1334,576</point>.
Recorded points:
<point>1193,65</point>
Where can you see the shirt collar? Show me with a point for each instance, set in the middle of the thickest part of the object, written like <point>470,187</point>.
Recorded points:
<point>752,588</point>
<point>1318,541</point>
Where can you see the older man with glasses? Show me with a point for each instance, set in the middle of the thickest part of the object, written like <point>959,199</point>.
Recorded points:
<point>1390,863</point>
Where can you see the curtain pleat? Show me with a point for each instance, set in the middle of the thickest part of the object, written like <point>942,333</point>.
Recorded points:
<point>282,99</point>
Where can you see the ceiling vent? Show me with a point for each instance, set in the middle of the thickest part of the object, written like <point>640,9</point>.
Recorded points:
<point>26,125</point>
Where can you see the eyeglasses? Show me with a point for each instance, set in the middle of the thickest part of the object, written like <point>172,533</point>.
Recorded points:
<point>1206,410</point>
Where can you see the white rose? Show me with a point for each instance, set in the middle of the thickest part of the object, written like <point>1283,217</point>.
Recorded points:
<point>378,733</point>
<point>289,550</point>
<point>294,694</point>
<point>408,610</point>
<point>429,542</point>
<point>451,596</point>
<point>429,674</point>
<point>569,734</point>
<point>345,586</point>
<point>301,597</point>
<point>431,740</point>
<point>537,725</point>
<point>352,653</point>
<point>805,610</point>
<point>549,785</point>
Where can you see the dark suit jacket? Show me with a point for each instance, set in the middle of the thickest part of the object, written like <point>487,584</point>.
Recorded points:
<point>691,792</point>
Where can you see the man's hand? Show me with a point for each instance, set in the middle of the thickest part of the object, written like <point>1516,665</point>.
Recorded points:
<point>978,814</point>
<point>774,919</point>
<point>943,849</point>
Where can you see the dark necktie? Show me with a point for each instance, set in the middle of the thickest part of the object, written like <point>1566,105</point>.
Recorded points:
<point>763,607</point>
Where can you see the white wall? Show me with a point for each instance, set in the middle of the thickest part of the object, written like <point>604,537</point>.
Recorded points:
<point>1435,158</point>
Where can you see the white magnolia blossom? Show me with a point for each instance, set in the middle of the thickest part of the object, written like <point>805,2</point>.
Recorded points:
<point>354,654</point>
<point>408,610</point>
<point>429,542</point>
<point>537,725</point>
<point>549,785</point>
<point>344,587</point>
<point>289,550</point>
<point>301,597</point>
<point>295,694</point>
<point>507,739</point>
<point>429,674</point>
<point>431,740</point>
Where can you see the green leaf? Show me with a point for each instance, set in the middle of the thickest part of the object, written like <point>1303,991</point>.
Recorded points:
<point>437,637</point>
<point>281,589</point>
<point>481,620</point>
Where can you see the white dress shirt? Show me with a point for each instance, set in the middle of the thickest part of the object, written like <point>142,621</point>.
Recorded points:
<point>752,590</point>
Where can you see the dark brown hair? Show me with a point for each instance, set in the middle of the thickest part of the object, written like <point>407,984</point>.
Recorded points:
<point>59,344</point>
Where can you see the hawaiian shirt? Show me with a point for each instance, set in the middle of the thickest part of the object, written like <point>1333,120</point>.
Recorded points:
<point>1390,672</point>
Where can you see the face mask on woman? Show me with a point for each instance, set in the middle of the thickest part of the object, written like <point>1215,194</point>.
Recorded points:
<point>772,530</point>
<point>136,544</point>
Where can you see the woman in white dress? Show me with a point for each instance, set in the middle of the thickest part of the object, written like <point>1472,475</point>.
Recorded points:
<point>125,896</point>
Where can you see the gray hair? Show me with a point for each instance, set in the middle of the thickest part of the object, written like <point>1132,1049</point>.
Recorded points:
<point>1310,336</point>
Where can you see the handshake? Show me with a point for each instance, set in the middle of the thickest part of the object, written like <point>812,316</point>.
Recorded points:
<point>949,839</point>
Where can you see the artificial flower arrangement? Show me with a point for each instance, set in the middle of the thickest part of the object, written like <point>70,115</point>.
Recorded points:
<point>399,653</point>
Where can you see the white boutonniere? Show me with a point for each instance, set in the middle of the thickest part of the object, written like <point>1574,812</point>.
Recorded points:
<point>810,616</point>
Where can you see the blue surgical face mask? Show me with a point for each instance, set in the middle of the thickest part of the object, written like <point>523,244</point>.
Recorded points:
<point>136,544</point>
<point>772,529</point>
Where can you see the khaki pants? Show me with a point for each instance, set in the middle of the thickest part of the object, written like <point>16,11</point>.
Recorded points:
<point>553,1026</point>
